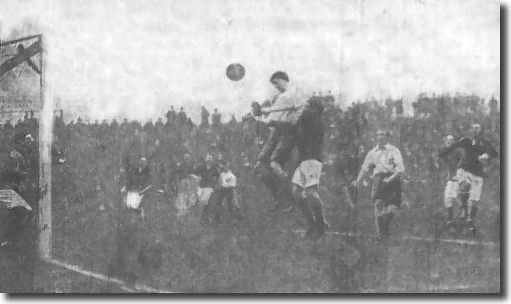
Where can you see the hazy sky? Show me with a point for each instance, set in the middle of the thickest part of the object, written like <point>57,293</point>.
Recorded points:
<point>134,58</point>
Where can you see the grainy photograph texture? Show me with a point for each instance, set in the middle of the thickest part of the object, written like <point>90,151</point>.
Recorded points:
<point>347,146</point>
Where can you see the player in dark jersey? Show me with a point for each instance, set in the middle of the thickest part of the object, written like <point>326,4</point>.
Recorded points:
<point>130,215</point>
<point>310,131</point>
<point>476,150</point>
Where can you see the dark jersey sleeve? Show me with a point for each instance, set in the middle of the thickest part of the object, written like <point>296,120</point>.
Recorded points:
<point>444,152</point>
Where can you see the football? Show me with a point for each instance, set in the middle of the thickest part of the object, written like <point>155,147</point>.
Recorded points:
<point>235,71</point>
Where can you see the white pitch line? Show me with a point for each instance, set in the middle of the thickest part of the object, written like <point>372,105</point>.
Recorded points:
<point>122,284</point>
<point>144,288</point>
<point>431,289</point>
<point>404,237</point>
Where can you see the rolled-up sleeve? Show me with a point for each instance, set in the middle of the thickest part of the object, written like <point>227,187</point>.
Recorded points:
<point>396,154</point>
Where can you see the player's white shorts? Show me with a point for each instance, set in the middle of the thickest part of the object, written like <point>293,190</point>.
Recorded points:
<point>133,199</point>
<point>204,194</point>
<point>450,193</point>
<point>307,174</point>
<point>476,183</point>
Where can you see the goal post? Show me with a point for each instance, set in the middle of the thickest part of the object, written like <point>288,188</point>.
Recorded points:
<point>45,140</point>
<point>28,47</point>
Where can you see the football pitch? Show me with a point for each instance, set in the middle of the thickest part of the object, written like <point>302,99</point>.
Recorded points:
<point>265,253</point>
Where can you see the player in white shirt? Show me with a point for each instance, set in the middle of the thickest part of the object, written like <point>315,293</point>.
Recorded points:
<point>386,163</point>
<point>281,116</point>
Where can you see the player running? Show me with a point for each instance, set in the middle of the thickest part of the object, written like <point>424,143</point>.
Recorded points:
<point>386,163</point>
<point>470,170</point>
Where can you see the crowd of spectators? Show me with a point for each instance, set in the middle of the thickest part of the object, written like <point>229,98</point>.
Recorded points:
<point>88,158</point>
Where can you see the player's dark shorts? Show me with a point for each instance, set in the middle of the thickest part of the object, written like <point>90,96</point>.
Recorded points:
<point>280,144</point>
<point>390,193</point>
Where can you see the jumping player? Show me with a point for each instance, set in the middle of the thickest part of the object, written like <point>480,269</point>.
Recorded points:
<point>281,116</point>
<point>310,131</point>
<point>470,171</point>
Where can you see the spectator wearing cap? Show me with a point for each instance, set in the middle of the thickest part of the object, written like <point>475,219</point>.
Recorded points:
<point>171,116</point>
<point>204,118</point>
<point>181,116</point>
<point>216,119</point>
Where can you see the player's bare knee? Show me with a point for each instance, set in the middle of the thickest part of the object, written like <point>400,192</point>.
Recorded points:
<point>448,202</point>
<point>297,192</point>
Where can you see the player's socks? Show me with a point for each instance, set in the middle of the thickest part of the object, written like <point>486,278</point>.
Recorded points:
<point>380,222</point>
<point>303,205</point>
<point>319,219</point>
<point>464,204</point>
<point>387,219</point>
<point>472,212</point>
<point>205,215</point>
<point>236,213</point>
<point>450,215</point>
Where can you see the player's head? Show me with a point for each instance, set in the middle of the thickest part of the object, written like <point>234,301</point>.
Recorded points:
<point>187,156</point>
<point>209,159</point>
<point>280,80</point>
<point>361,150</point>
<point>476,129</point>
<point>226,166</point>
<point>382,136</point>
<point>143,161</point>
<point>449,140</point>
